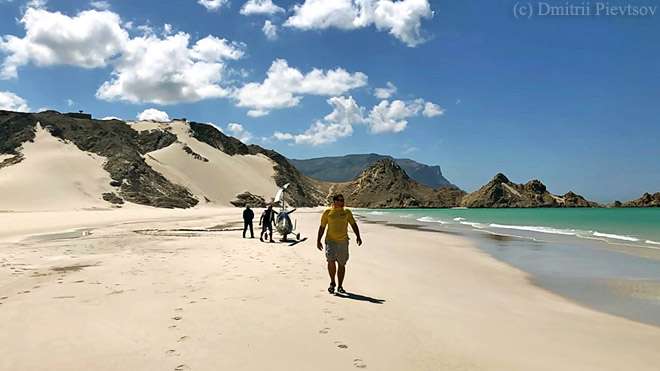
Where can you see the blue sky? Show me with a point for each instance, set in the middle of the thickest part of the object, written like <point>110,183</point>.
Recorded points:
<point>569,100</point>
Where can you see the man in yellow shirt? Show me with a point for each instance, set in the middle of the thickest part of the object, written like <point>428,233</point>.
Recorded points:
<point>336,218</point>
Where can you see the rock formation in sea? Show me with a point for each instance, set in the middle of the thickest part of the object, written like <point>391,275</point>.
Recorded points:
<point>500,192</point>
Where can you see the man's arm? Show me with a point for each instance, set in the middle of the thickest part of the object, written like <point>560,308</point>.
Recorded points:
<point>357,233</point>
<point>261,219</point>
<point>319,245</point>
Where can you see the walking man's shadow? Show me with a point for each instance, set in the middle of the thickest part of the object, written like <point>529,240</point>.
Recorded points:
<point>350,295</point>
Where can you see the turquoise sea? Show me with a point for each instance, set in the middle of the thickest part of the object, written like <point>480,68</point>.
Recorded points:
<point>633,226</point>
<point>606,259</point>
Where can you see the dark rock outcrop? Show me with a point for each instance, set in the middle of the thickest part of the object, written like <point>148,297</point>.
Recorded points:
<point>385,184</point>
<point>647,200</point>
<point>247,198</point>
<point>500,192</point>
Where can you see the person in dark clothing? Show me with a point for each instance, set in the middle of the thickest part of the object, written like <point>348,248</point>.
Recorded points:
<point>266,222</point>
<point>248,215</point>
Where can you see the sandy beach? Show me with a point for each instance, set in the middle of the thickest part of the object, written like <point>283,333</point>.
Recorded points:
<point>149,289</point>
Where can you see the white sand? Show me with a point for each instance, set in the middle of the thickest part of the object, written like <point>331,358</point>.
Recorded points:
<point>148,297</point>
<point>54,176</point>
<point>220,179</point>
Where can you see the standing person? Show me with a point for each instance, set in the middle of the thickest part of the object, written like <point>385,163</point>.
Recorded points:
<point>267,219</point>
<point>248,215</point>
<point>337,217</point>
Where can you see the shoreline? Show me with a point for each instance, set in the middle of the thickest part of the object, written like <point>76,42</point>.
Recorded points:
<point>181,297</point>
<point>637,300</point>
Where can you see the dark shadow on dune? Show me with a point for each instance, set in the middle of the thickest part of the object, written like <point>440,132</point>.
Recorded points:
<point>350,295</point>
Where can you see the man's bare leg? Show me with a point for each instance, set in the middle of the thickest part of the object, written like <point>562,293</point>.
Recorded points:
<point>332,269</point>
<point>340,274</point>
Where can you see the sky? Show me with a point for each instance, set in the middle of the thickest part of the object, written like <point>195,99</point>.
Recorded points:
<point>560,91</point>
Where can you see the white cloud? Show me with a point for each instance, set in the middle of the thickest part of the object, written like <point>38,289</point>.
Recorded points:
<point>257,113</point>
<point>401,18</point>
<point>113,118</point>
<point>282,136</point>
<point>409,150</point>
<point>212,4</point>
<point>36,3</point>
<point>238,132</point>
<point>432,109</point>
<point>102,5</point>
<point>338,124</point>
<point>260,7</point>
<point>70,102</point>
<point>270,30</point>
<point>385,93</point>
<point>88,40</point>
<point>284,85</point>
<point>153,114</point>
<point>165,71</point>
<point>12,102</point>
<point>391,117</point>
<point>167,29</point>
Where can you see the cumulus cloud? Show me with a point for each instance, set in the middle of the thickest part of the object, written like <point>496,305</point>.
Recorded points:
<point>153,114</point>
<point>260,7</point>
<point>402,19</point>
<point>239,132</point>
<point>432,109</point>
<point>212,5</point>
<point>111,118</point>
<point>70,102</point>
<point>385,93</point>
<point>391,117</point>
<point>270,30</point>
<point>282,136</point>
<point>88,40</point>
<point>165,71</point>
<point>12,102</point>
<point>102,5</point>
<point>36,3</point>
<point>284,85</point>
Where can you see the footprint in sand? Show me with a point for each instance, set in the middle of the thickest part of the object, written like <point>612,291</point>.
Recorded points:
<point>178,310</point>
<point>172,352</point>
<point>338,318</point>
<point>183,338</point>
<point>182,368</point>
<point>173,327</point>
<point>24,292</point>
<point>359,363</point>
<point>177,318</point>
<point>324,330</point>
<point>341,345</point>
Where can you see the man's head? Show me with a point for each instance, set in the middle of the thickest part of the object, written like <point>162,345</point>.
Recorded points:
<point>247,207</point>
<point>270,206</point>
<point>338,200</point>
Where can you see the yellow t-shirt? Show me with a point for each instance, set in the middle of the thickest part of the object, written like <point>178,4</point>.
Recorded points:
<point>337,221</point>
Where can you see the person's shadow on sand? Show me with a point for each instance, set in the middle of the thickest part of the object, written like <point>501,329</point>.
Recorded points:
<point>350,295</point>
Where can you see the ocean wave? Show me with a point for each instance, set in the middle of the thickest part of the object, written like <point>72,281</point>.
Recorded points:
<point>427,219</point>
<point>652,242</point>
<point>458,219</point>
<point>407,216</point>
<point>615,236</point>
<point>377,213</point>
<point>475,225</point>
<point>531,228</point>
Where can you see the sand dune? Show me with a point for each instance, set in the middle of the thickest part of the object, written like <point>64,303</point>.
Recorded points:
<point>220,179</point>
<point>54,176</point>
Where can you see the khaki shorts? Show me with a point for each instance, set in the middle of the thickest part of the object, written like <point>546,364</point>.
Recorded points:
<point>336,251</point>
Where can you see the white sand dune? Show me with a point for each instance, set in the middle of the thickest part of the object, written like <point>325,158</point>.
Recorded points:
<point>220,179</point>
<point>54,176</point>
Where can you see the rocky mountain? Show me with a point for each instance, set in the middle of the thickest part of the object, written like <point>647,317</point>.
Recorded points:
<point>172,165</point>
<point>345,168</point>
<point>384,184</point>
<point>500,192</point>
<point>647,200</point>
